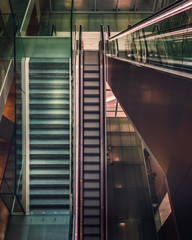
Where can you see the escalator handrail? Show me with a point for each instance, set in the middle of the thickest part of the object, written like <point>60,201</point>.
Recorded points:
<point>53,30</point>
<point>102,134</point>
<point>80,163</point>
<point>108,31</point>
<point>165,13</point>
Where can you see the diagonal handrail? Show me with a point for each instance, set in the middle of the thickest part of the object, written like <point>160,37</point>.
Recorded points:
<point>103,173</point>
<point>171,10</point>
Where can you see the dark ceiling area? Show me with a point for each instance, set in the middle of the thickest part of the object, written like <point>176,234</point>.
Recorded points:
<point>99,5</point>
<point>118,6</point>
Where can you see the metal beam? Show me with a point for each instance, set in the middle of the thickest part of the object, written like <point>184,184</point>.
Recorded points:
<point>117,5</point>
<point>50,6</point>
<point>154,5</point>
<point>98,12</point>
<point>135,8</point>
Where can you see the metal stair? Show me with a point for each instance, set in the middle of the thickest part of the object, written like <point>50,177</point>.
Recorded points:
<point>49,134</point>
<point>91,147</point>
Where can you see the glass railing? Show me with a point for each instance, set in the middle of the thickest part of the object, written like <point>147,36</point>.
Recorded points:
<point>18,8</point>
<point>6,44</point>
<point>9,188</point>
<point>13,190</point>
<point>165,39</point>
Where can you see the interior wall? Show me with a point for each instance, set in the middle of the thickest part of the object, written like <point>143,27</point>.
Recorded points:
<point>117,22</point>
<point>159,105</point>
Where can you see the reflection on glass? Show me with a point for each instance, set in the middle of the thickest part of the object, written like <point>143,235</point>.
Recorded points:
<point>167,42</point>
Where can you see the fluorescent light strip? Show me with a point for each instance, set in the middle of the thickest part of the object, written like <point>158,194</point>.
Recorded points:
<point>178,9</point>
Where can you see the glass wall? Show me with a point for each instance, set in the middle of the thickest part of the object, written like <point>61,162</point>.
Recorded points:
<point>166,43</point>
<point>130,214</point>
<point>6,43</point>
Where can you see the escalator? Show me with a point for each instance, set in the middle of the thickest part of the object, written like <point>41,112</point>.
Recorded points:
<point>91,161</point>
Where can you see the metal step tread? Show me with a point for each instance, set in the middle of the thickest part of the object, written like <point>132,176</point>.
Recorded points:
<point>48,183</point>
<point>50,126</point>
<point>49,202</point>
<point>61,192</point>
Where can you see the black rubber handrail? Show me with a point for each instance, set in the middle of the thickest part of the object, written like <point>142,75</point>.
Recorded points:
<point>80,164</point>
<point>53,30</point>
<point>103,173</point>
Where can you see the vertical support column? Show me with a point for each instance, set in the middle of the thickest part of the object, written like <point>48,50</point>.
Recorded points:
<point>25,134</point>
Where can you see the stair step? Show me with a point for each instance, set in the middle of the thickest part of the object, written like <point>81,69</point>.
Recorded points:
<point>49,152</point>
<point>52,82</point>
<point>91,203</point>
<point>47,203</point>
<point>48,165</point>
<point>49,121</point>
<point>49,91</point>
<point>92,237</point>
<point>91,194</point>
<point>54,112</point>
<point>91,116</point>
<point>49,101</point>
<point>91,184</point>
<point>91,212</point>
<point>49,136</point>
<point>92,159</point>
<point>48,86</point>
<point>48,176</point>
<point>48,75</point>
<point>92,83</point>
<point>48,70</point>
<point>49,126</point>
<point>92,149</point>
<point>49,106</point>
<point>45,95</point>
<point>91,58</point>
<point>50,142</point>
<point>50,131</point>
<point>54,192</point>
<point>49,183</point>
<point>48,116</point>
<point>91,68</point>
<point>91,142</point>
<point>92,99</point>
<point>91,167</point>
<point>91,108</point>
<point>91,176</point>
<point>53,146</point>
<point>90,91</point>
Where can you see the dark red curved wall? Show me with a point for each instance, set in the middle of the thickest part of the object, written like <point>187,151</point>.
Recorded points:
<point>160,106</point>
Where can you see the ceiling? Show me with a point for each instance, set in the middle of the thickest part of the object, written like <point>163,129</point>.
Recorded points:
<point>99,5</point>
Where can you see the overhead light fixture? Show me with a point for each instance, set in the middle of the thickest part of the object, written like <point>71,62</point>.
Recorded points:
<point>164,15</point>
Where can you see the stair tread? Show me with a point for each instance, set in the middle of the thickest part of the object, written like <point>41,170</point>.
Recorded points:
<point>49,162</point>
<point>50,182</point>
<point>49,60</point>
<point>49,191</point>
<point>51,172</point>
<point>48,201</point>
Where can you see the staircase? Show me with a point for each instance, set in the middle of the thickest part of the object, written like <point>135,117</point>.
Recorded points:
<point>49,134</point>
<point>91,148</point>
